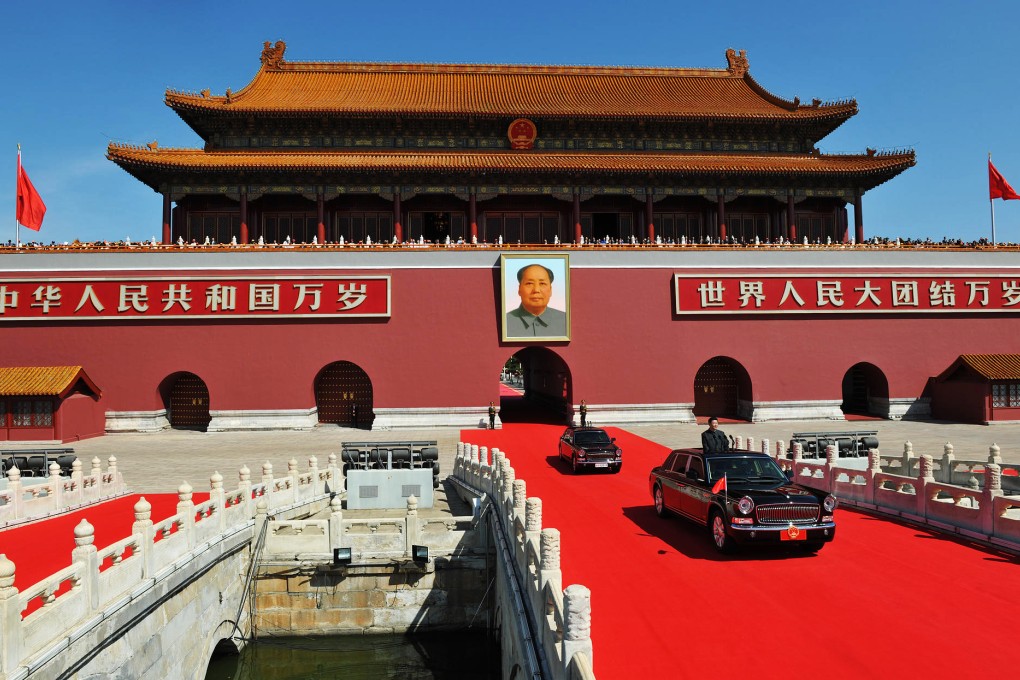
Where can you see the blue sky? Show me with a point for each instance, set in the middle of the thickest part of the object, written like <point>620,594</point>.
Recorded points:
<point>939,77</point>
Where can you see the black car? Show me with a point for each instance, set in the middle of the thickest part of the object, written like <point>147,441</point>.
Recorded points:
<point>743,497</point>
<point>590,447</point>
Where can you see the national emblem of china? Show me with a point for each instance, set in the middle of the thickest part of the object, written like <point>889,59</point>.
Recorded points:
<point>522,133</point>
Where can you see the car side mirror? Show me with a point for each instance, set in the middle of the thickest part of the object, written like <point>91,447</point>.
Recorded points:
<point>612,440</point>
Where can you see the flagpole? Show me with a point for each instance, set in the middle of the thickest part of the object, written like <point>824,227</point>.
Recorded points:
<point>991,204</point>
<point>17,224</point>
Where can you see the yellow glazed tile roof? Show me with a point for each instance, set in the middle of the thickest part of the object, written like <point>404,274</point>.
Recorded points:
<point>508,161</point>
<point>356,88</point>
<point>994,366</point>
<point>48,381</point>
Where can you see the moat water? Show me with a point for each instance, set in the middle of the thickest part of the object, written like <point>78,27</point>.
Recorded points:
<point>434,656</point>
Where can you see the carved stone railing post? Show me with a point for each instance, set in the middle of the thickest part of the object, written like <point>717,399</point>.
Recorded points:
<point>76,473</point>
<point>874,468</point>
<point>830,455</point>
<point>261,517</point>
<point>549,573</point>
<point>992,490</point>
<point>85,553</point>
<point>313,470</point>
<point>336,522</point>
<point>336,474</point>
<point>907,460</point>
<point>780,449</point>
<point>142,528</point>
<point>798,453</point>
<point>766,447</point>
<point>14,486</point>
<point>267,481</point>
<point>293,473</point>
<point>244,487</point>
<point>413,533</point>
<point>11,630</point>
<point>925,476</point>
<point>576,623</point>
<point>750,444</point>
<point>218,497</point>
<point>186,508</point>
<point>738,442</point>
<point>994,454</point>
<point>57,485</point>
<point>948,461</point>
<point>109,482</point>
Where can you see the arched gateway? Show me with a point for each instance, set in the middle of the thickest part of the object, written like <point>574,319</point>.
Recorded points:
<point>186,398</point>
<point>722,388</point>
<point>343,395</point>
<point>542,391</point>
<point>865,391</point>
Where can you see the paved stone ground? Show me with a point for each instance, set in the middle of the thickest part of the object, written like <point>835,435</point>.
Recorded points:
<point>159,462</point>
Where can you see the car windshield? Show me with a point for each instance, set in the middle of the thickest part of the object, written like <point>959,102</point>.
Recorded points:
<point>745,469</point>
<point>590,437</point>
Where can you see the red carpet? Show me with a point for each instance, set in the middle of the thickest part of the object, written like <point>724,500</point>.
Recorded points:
<point>883,600</point>
<point>42,548</point>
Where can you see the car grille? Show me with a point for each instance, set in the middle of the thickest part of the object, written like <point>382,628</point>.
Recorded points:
<point>786,514</point>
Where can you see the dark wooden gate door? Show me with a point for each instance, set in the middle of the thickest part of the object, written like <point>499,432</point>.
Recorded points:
<point>189,403</point>
<point>716,390</point>
<point>855,391</point>
<point>343,395</point>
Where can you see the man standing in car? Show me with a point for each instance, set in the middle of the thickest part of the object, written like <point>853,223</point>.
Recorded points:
<point>713,440</point>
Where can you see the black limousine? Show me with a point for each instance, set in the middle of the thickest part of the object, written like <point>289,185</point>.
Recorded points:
<point>743,497</point>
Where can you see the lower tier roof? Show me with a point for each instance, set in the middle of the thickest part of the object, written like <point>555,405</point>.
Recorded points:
<point>155,166</point>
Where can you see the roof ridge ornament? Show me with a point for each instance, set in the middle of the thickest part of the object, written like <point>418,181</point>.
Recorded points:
<point>737,62</point>
<point>272,55</point>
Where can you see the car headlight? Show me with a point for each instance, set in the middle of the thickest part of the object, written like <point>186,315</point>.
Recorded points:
<point>829,503</point>
<point>619,453</point>
<point>745,505</point>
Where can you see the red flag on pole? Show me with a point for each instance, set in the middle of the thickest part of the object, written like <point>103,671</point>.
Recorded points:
<point>719,485</point>
<point>31,209</point>
<point>998,187</point>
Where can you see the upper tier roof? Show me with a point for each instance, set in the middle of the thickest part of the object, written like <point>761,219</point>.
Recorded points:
<point>595,92</point>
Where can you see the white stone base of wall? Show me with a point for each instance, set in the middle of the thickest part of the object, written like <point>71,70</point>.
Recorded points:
<point>283,419</point>
<point>909,409</point>
<point>623,414</point>
<point>137,421</point>
<point>796,410</point>
<point>461,417</point>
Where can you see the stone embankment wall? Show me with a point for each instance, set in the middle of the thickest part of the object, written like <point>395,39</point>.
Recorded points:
<point>299,590</point>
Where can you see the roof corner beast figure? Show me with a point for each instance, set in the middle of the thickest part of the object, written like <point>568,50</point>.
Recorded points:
<point>743,497</point>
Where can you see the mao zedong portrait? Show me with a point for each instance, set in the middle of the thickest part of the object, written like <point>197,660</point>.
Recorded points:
<point>534,317</point>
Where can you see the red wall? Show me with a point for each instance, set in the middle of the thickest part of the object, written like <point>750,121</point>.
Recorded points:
<point>79,417</point>
<point>441,347</point>
<point>964,401</point>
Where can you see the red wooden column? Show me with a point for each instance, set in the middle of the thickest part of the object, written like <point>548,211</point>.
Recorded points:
<point>791,218</point>
<point>721,208</point>
<point>244,218</point>
<point>649,217</point>
<point>320,214</point>
<point>858,218</point>
<point>166,217</point>
<point>398,229</point>
<point>473,216</point>
<point>577,218</point>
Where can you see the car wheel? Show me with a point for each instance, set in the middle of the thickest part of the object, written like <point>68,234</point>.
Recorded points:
<point>617,468</point>
<point>660,504</point>
<point>722,541</point>
<point>573,464</point>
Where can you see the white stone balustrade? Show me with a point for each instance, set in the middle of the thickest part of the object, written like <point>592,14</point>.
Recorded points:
<point>965,497</point>
<point>102,581</point>
<point>25,500</point>
<point>563,615</point>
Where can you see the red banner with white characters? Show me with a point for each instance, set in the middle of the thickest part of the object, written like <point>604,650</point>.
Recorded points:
<point>183,297</point>
<point>843,294</point>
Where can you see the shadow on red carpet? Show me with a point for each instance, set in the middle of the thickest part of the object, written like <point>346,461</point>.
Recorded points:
<point>878,602</point>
